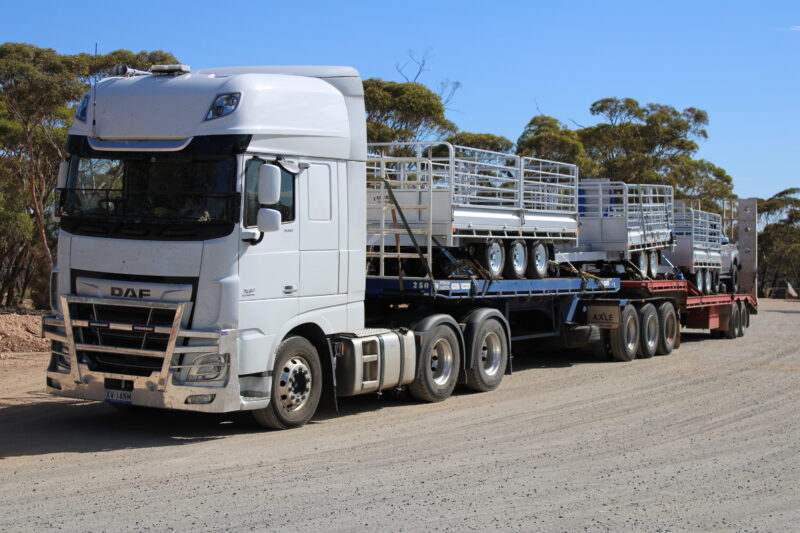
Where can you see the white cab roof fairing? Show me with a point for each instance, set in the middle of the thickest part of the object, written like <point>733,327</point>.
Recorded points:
<point>285,114</point>
<point>346,80</point>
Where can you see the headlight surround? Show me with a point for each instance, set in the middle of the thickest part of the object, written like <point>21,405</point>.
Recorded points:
<point>208,367</point>
<point>224,104</point>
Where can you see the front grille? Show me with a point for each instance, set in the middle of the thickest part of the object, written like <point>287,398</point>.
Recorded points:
<point>96,331</point>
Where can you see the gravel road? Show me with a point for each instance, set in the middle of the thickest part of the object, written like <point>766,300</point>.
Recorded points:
<point>707,438</point>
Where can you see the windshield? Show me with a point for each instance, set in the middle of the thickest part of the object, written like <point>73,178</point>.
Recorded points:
<point>150,192</point>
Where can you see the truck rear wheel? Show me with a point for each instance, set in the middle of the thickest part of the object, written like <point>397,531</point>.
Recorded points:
<point>667,328</point>
<point>493,258</point>
<point>296,386</point>
<point>437,365</point>
<point>648,331</point>
<point>625,339</point>
<point>537,261</point>
<point>733,323</point>
<point>516,260</point>
<point>489,357</point>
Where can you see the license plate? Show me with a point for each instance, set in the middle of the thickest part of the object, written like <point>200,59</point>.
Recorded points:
<point>119,396</point>
<point>605,316</point>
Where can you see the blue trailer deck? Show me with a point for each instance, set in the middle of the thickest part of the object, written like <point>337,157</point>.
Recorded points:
<point>484,289</point>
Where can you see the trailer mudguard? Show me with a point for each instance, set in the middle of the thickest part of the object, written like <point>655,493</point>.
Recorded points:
<point>470,325</point>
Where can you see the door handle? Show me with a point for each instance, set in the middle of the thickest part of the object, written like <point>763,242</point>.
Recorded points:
<point>289,289</point>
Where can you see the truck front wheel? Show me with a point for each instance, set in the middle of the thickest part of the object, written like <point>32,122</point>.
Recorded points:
<point>296,386</point>
<point>438,364</point>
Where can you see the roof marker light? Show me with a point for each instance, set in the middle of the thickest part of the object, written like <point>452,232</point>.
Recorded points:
<point>224,104</point>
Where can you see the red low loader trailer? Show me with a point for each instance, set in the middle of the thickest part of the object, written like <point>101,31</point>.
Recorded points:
<point>645,317</point>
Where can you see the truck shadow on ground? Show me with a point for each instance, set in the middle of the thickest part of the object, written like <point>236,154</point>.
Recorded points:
<point>40,424</point>
<point>44,425</point>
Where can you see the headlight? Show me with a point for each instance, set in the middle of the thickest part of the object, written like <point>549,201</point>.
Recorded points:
<point>83,108</point>
<point>225,104</point>
<point>208,367</point>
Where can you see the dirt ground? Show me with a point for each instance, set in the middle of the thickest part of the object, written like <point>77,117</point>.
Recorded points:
<point>707,438</point>
<point>20,333</point>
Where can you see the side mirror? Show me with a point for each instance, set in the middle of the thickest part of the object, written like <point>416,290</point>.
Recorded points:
<point>269,186</point>
<point>63,168</point>
<point>269,220</point>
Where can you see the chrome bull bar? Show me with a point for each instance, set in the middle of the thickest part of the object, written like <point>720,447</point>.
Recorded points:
<point>174,332</point>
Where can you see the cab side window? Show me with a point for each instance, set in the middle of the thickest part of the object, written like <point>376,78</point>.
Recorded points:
<point>285,205</point>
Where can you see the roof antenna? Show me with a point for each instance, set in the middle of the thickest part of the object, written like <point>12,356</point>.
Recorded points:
<point>94,95</point>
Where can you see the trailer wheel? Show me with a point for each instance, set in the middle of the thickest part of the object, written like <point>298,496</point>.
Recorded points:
<point>699,279</point>
<point>538,261</point>
<point>744,318</point>
<point>516,260</point>
<point>733,323</point>
<point>667,328</point>
<point>652,264</point>
<point>493,258</point>
<point>734,281</point>
<point>648,331</point>
<point>489,357</point>
<point>296,386</point>
<point>625,339</point>
<point>438,363</point>
<point>641,263</point>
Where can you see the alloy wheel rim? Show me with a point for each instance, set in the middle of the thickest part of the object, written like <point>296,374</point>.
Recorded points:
<point>294,386</point>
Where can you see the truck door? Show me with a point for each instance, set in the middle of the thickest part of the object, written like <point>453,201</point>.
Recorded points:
<point>319,231</point>
<point>269,271</point>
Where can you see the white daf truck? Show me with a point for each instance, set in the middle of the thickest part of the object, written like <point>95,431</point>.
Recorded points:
<point>212,256</point>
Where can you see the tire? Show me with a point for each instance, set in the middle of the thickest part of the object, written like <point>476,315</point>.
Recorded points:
<point>493,258</point>
<point>516,260</point>
<point>641,262</point>
<point>489,357</point>
<point>744,317</point>
<point>648,331</point>
<point>296,386</point>
<point>707,282</point>
<point>699,279</point>
<point>733,323</point>
<point>538,260</point>
<point>667,328</point>
<point>438,364</point>
<point>625,339</point>
<point>652,264</point>
<point>734,281</point>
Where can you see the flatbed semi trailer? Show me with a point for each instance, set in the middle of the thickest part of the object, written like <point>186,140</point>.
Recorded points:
<point>213,254</point>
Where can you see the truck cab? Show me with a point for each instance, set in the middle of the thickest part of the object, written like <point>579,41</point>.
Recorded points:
<point>205,216</point>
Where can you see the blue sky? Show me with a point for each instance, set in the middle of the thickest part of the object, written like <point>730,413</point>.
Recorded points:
<point>737,60</point>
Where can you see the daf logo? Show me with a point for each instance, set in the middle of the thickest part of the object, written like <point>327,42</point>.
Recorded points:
<point>127,292</point>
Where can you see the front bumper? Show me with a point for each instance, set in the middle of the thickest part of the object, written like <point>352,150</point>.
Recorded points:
<point>71,372</point>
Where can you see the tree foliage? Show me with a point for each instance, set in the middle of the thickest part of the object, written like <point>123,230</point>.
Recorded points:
<point>482,141</point>
<point>406,111</point>
<point>547,138</point>
<point>633,143</point>
<point>38,91</point>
